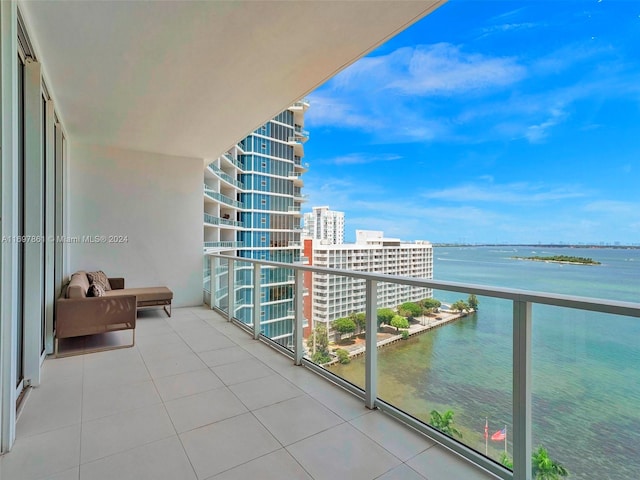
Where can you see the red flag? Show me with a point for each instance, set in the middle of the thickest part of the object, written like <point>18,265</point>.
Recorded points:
<point>499,435</point>
<point>486,429</point>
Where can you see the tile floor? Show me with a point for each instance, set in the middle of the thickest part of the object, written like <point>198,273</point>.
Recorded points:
<point>197,398</point>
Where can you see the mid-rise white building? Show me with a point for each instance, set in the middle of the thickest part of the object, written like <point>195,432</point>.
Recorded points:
<point>324,225</point>
<point>335,297</point>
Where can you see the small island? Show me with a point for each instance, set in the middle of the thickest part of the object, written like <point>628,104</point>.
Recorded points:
<point>562,259</point>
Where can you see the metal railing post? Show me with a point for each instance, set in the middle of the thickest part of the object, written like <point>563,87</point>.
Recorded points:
<point>371,344</point>
<point>298,350</point>
<point>257,271</point>
<point>521,390</point>
<point>212,276</point>
<point>231,294</point>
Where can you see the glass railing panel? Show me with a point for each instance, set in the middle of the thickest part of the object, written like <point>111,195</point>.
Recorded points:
<point>586,391</point>
<point>453,368</point>
<point>206,278</point>
<point>219,283</point>
<point>277,307</point>
<point>341,305</point>
<point>243,292</point>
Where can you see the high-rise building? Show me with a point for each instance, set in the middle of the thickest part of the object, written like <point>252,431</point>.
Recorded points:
<point>324,225</point>
<point>253,196</point>
<point>336,296</point>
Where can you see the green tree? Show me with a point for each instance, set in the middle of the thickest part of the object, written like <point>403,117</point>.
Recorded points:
<point>473,301</point>
<point>344,325</point>
<point>343,356</point>
<point>360,319</point>
<point>460,306</point>
<point>384,316</point>
<point>410,309</point>
<point>506,460</point>
<point>444,423</point>
<point>318,341</point>
<point>545,468</point>
<point>399,322</point>
<point>321,357</point>
<point>430,305</point>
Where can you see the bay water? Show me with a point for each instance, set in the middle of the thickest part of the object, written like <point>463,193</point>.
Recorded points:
<point>586,366</point>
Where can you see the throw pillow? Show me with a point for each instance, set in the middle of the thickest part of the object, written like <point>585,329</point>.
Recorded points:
<point>100,278</point>
<point>95,290</point>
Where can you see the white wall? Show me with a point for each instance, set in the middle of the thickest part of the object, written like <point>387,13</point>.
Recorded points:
<point>155,201</point>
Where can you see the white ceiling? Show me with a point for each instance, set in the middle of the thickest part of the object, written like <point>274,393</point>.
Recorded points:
<point>193,77</point>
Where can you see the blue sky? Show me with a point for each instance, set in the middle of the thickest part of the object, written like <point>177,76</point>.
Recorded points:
<point>488,121</point>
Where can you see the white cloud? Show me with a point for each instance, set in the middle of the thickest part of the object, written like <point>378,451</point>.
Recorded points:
<point>363,158</point>
<point>445,69</point>
<point>537,133</point>
<point>508,27</point>
<point>613,207</point>
<point>335,111</point>
<point>395,97</point>
<point>520,193</point>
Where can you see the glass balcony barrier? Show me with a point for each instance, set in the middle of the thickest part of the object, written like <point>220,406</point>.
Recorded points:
<point>304,103</point>
<point>213,220</point>
<point>224,244</point>
<point>225,176</point>
<point>586,391</point>
<point>221,198</point>
<point>233,161</point>
<point>506,378</point>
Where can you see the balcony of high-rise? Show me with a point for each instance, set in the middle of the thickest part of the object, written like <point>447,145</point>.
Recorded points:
<point>110,112</point>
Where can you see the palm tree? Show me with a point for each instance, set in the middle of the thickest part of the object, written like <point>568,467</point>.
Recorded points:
<point>544,468</point>
<point>444,423</point>
<point>506,460</point>
<point>460,306</point>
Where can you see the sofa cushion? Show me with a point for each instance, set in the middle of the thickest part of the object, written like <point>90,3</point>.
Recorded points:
<point>95,290</point>
<point>99,278</point>
<point>78,285</point>
<point>144,294</point>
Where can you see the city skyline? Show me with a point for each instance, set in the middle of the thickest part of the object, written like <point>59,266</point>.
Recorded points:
<point>516,126</point>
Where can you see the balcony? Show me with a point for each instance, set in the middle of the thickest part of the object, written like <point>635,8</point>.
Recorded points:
<point>153,133</point>
<point>301,104</point>
<point>506,368</point>
<point>213,220</point>
<point>224,176</point>
<point>221,198</point>
<point>294,210</point>
<point>300,133</point>
<point>197,397</point>
<point>232,161</point>
<point>224,245</point>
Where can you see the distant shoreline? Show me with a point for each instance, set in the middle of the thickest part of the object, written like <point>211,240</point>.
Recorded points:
<point>537,245</point>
